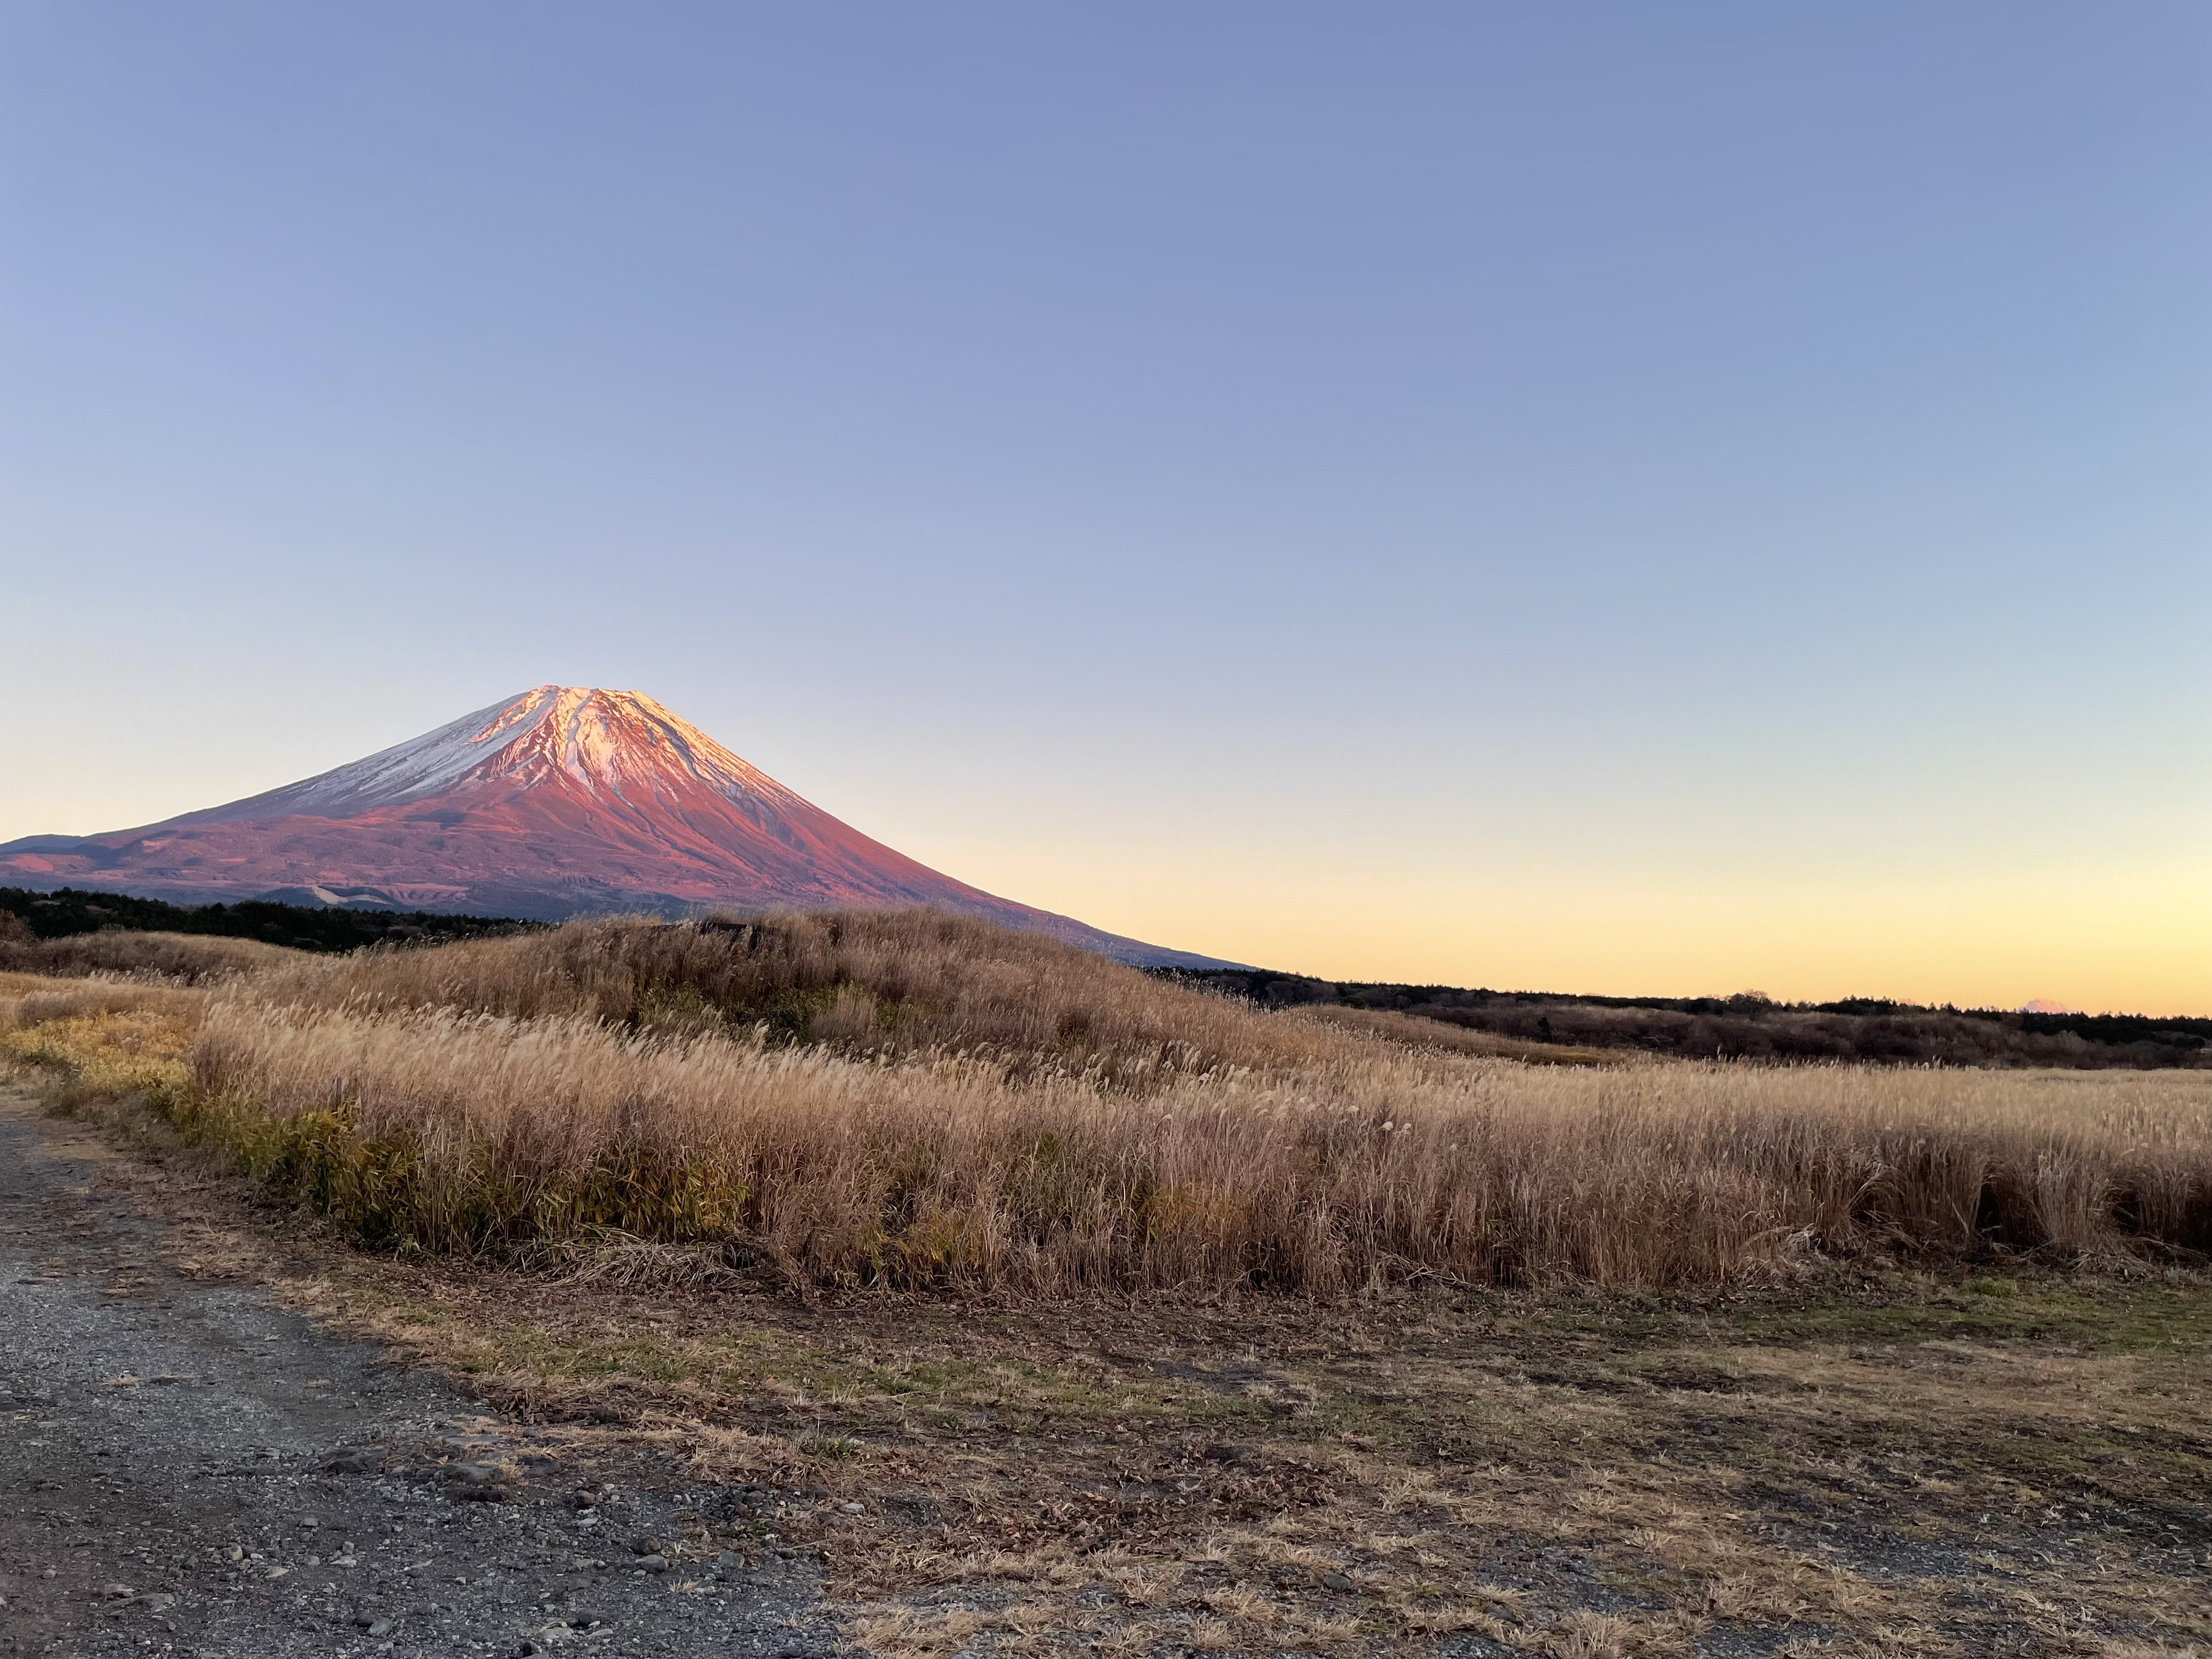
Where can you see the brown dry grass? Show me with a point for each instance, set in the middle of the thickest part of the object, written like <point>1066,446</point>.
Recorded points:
<point>471,1131</point>
<point>918,1101</point>
<point>108,1037</point>
<point>29,999</point>
<point>868,982</point>
<point>179,958</point>
<point>1414,1032</point>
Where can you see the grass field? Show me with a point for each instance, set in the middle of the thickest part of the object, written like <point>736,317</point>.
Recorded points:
<point>922,1103</point>
<point>1142,1322</point>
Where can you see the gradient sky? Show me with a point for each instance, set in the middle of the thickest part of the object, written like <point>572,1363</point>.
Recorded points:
<point>1662,498</point>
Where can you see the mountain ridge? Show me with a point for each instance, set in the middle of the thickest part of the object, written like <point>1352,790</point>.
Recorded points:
<point>560,801</point>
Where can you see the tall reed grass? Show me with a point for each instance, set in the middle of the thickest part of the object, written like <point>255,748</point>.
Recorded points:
<point>1317,1159</point>
<point>914,1101</point>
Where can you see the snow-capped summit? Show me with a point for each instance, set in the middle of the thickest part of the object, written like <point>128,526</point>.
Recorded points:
<point>560,801</point>
<point>620,745</point>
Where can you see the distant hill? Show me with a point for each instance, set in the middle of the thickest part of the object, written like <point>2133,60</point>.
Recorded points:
<point>1751,1027</point>
<point>563,801</point>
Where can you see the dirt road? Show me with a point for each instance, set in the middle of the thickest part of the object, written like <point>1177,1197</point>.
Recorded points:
<point>187,1469</point>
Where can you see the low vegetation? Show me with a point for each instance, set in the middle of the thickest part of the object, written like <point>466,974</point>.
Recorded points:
<point>1853,1465</point>
<point>1750,1026</point>
<point>864,983</point>
<point>918,1101</point>
<point>174,958</point>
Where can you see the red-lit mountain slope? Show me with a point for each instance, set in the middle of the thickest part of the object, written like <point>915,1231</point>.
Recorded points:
<point>563,801</point>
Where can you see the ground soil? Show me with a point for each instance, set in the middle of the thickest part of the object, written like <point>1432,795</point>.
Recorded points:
<point>187,1467</point>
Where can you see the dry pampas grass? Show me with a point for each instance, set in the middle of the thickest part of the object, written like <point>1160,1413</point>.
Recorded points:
<point>907,1099</point>
<point>1102,1130</point>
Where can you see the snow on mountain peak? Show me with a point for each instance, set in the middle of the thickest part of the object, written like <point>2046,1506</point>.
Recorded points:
<point>610,742</point>
<point>615,741</point>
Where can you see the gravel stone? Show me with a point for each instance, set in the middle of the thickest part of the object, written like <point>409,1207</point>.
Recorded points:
<point>198,1489</point>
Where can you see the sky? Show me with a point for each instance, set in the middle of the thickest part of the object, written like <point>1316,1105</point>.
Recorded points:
<point>1661,499</point>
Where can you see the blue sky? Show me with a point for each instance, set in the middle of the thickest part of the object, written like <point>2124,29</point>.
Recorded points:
<point>1614,497</point>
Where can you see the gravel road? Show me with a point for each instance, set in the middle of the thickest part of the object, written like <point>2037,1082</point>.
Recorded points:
<point>186,1468</point>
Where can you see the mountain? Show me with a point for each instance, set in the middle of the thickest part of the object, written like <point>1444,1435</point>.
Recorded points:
<point>564,801</point>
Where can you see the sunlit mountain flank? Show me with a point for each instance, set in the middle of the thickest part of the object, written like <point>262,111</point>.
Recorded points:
<point>565,800</point>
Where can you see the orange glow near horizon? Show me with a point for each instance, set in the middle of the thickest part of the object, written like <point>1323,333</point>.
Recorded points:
<point>2137,942</point>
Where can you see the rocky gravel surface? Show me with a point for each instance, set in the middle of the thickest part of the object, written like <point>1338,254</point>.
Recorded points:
<point>186,1468</point>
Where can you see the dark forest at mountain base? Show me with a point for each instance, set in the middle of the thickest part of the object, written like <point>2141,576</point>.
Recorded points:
<point>70,911</point>
<point>1749,1026</point>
